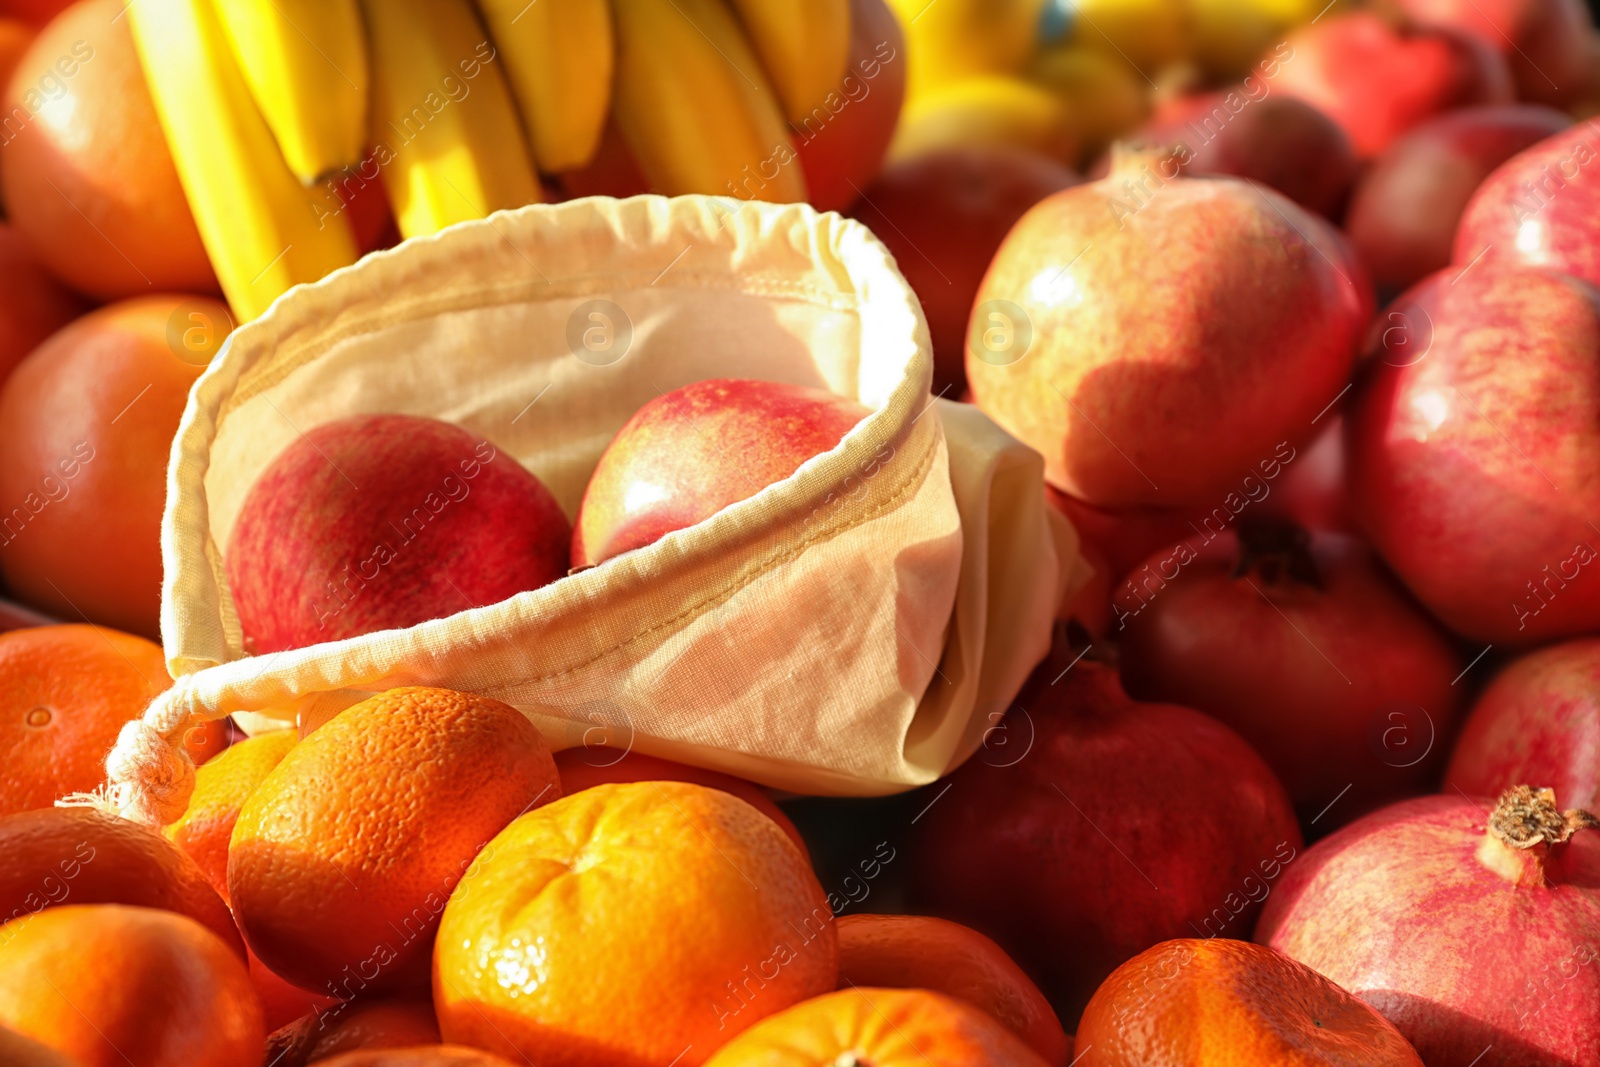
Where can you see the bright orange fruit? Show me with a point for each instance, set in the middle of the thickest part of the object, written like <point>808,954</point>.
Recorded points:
<point>114,986</point>
<point>56,856</point>
<point>585,766</point>
<point>65,693</point>
<point>1223,1003</point>
<point>220,789</point>
<point>866,1027</point>
<point>918,952</point>
<point>630,924</point>
<point>342,859</point>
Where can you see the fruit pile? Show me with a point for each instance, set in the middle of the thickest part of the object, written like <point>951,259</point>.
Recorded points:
<point>1300,306</point>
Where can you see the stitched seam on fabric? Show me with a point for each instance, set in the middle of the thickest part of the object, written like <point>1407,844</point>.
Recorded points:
<point>755,571</point>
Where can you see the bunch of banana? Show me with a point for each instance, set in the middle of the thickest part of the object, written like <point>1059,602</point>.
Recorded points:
<point>261,226</point>
<point>272,106</point>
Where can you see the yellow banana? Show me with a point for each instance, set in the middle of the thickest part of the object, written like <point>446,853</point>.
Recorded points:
<point>306,64</point>
<point>694,104</point>
<point>263,230</point>
<point>805,45</point>
<point>558,56</point>
<point>444,129</point>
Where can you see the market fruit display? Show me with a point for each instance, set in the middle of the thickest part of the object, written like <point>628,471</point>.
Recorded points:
<point>384,521</point>
<point>1509,885</point>
<point>1177,291</point>
<point>1296,306</point>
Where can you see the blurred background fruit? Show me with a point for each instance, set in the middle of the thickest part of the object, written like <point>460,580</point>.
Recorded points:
<point>966,38</point>
<point>160,988</point>
<point>88,178</point>
<point>86,426</point>
<point>988,111</point>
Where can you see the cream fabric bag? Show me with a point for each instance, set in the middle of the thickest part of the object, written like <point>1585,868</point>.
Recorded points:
<point>848,631</point>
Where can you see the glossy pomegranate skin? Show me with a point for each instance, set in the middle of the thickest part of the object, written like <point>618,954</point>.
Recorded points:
<point>1474,451</point>
<point>1400,909</point>
<point>1314,655</point>
<point>1406,207</point>
<point>1537,721</point>
<point>1540,208</point>
<point>1124,825</point>
<point>1160,308</point>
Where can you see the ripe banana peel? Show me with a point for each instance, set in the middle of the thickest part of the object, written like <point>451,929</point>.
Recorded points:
<point>446,134</point>
<point>695,106</point>
<point>305,62</point>
<point>263,230</point>
<point>804,44</point>
<point>558,57</point>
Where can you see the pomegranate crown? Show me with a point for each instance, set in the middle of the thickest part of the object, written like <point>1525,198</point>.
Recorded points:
<point>1526,817</point>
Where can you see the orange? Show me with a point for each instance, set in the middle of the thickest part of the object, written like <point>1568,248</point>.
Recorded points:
<point>866,1027</point>
<point>630,925</point>
<point>382,1024</point>
<point>77,855</point>
<point>114,986</point>
<point>65,693</point>
<point>1221,1003</point>
<point>86,427</point>
<point>583,767</point>
<point>33,305</point>
<point>37,12</point>
<point>420,1056</point>
<point>85,167</point>
<point>19,1051</point>
<point>913,951</point>
<point>342,859</point>
<point>220,789</point>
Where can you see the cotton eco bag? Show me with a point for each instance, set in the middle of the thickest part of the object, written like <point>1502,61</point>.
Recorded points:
<point>852,630</point>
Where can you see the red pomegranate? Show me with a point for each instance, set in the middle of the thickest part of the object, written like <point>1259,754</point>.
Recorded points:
<point>1474,926</point>
<point>1121,825</point>
<point>1538,721</point>
<point>1303,644</point>
<point>1474,452</point>
<point>1160,338</point>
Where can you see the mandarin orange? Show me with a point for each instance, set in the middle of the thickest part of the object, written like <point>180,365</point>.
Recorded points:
<point>867,1027</point>
<point>1223,1003</point>
<point>629,925</point>
<point>157,989</point>
<point>86,428</point>
<point>85,167</point>
<point>587,766</point>
<point>33,305</point>
<point>918,952</point>
<point>341,861</point>
<point>56,856</point>
<point>65,693</point>
<point>220,789</point>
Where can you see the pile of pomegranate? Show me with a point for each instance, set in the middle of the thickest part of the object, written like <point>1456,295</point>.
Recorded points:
<point>1320,394</point>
